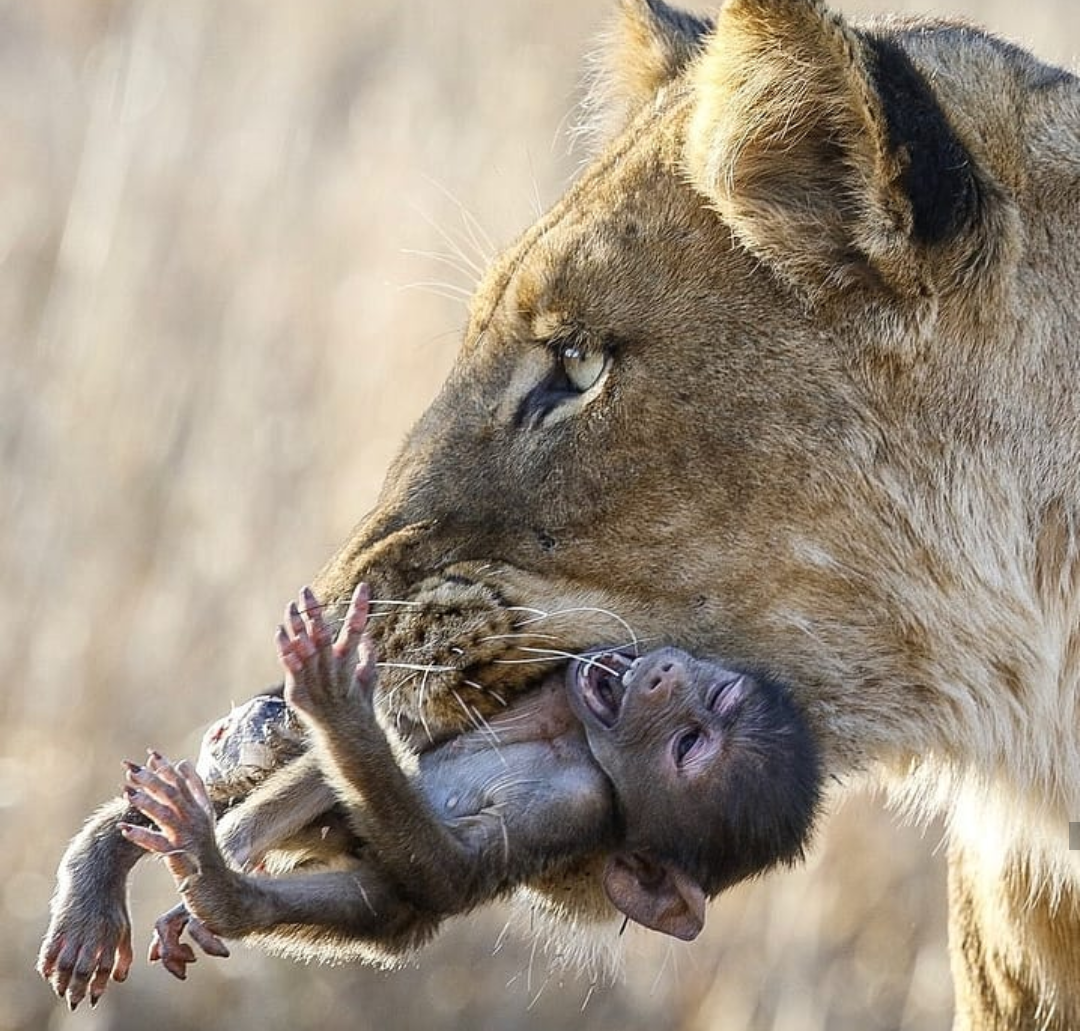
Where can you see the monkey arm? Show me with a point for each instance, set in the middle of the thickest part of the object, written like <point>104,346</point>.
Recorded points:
<point>480,816</point>
<point>507,812</point>
<point>331,686</point>
<point>433,865</point>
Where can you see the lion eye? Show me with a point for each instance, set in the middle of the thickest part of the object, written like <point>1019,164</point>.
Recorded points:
<point>575,370</point>
<point>582,368</point>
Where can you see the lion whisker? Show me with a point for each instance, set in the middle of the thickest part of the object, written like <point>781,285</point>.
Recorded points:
<point>523,662</point>
<point>539,613</point>
<point>456,247</point>
<point>469,714</point>
<point>513,636</point>
<point>554,655</point>
<point>589,608</point>
<point>449,291</point>
<point>479,238</point>
<point>452,261</point>
<point>420,705</point>
<point>419,667</point>
<point>481,726</point>
<point>486,690</point>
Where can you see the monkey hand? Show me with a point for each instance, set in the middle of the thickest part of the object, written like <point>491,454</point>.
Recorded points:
<point>175,799</point>
<point>327,679</point>
<point>88,940</point>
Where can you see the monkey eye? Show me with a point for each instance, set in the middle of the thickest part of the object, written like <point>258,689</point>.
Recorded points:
<point>722,694</point>
<point>685,744</point>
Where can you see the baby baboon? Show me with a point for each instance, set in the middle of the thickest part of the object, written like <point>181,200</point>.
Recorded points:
<point>688,775</point>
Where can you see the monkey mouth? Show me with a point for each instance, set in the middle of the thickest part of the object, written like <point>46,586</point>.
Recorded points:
<point>597,682</point>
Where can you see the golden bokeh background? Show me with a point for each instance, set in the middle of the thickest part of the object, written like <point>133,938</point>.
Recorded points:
<point>222,303</point>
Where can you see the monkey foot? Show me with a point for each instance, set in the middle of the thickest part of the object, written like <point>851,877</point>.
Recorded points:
<point>78,957</point>
<point>174,954</point>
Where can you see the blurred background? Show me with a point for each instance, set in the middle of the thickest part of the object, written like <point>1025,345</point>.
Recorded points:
<point>223,298</point>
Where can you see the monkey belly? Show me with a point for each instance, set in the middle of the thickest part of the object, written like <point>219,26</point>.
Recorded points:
<point>548,797</point>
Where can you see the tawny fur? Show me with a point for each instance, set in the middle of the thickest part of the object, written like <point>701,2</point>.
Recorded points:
<point>821,446</point>
<point>788,377</point>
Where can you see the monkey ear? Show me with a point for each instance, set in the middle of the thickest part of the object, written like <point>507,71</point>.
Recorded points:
<point>657,895</point>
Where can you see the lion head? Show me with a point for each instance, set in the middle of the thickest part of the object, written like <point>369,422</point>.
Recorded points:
<point>759,386</point>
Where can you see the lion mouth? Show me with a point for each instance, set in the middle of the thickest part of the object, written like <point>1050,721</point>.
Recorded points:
<point>598,681</point>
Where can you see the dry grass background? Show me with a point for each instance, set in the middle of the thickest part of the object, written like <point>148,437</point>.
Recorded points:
<point>212,336</point>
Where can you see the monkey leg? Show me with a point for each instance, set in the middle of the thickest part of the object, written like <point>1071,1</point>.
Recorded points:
<point>174,954</point>
<point>358,906</point>
<point>282,806</point>
<point>89,934</point>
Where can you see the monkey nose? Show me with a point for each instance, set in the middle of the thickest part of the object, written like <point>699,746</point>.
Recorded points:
<point>657,678</point>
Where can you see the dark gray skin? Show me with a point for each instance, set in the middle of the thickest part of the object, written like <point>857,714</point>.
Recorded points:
<point>625,759</point>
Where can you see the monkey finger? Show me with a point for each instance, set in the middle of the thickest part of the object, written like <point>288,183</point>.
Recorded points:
<point>80,973</point>
<point>287,652</point>
<point>155,799</point>
<point>173,954</point>
<point>364,674</point>
<point>150,841</point>
<point>160,767</point>
<point>355,621</point>
<point>167,930</point>
<point>312,610</point>
<point>123,958</point>
<point>294,623</point>
<point>322,667</point>
<point>168,785</point>
<point>157,773</point>
<point>191,780</point>
<point>99,982</point>
<point>176,963</point>
<point>209,942</point>
<point>64,967</point>
<point>50,950</point>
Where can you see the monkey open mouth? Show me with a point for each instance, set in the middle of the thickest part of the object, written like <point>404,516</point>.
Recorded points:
<point>598,680</point>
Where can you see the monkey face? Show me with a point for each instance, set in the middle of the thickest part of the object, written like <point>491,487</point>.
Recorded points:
<point>665,712</point>
<point>713,768</point>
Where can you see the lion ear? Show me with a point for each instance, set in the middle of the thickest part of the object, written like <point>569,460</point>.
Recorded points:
<point>654,43</point>
<point>823,148</point>
<point>650,45</point>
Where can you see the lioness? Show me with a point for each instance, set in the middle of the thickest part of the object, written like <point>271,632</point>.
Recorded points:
<point>788,376</point>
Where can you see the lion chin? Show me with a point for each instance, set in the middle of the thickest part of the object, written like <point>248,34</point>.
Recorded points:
<point>788,377</point>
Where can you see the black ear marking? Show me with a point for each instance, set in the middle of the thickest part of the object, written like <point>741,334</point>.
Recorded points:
<point>690,28</point>
<point>939,179</point>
